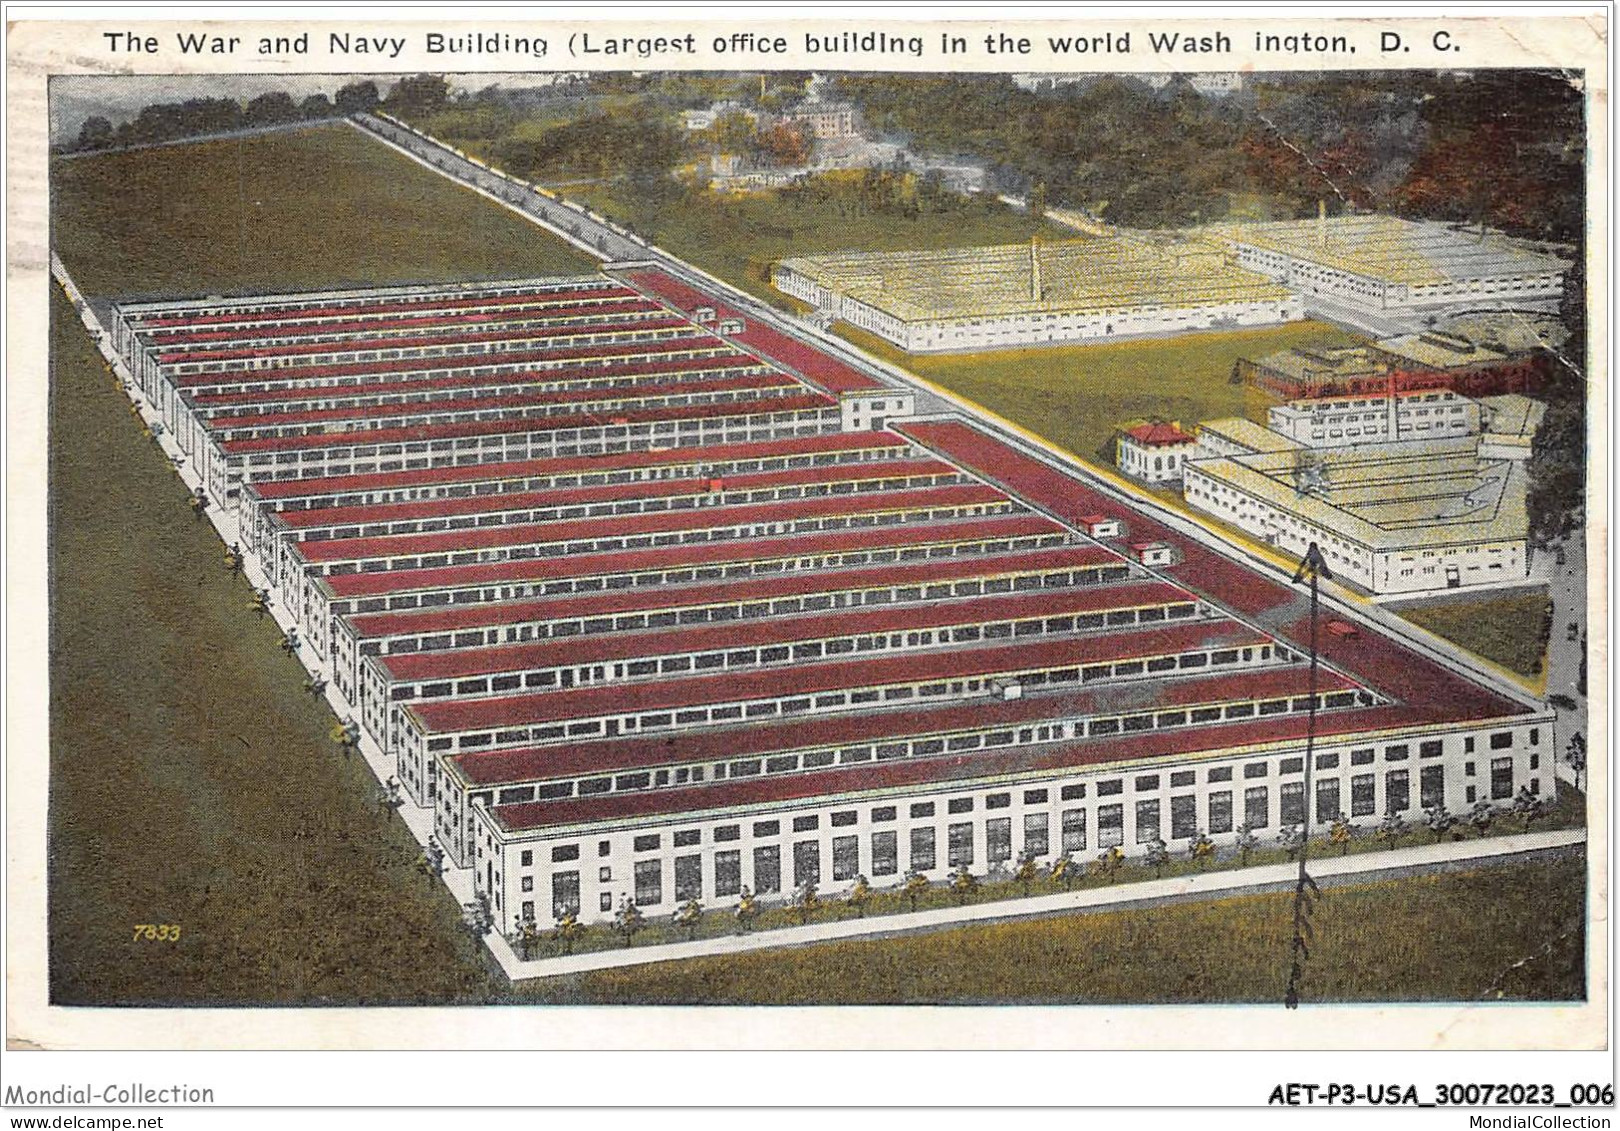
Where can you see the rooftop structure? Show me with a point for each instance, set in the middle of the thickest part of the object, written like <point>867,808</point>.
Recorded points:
<point>1392,517</point>
<point>1380,263</point>
<point>1016,294</point>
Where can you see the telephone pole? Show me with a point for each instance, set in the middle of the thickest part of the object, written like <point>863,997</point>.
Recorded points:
<point>1313,567</point>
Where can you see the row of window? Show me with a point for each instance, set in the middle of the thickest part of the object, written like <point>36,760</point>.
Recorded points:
<point>360,375</point>
<point>212,411</point>
<point>768,528</point>
<point>800,651</point>
<point>763,567</point>
<point>584,336</point>
<point>467,409</point>
<point>698,496</point>
<point>633,722</point>
<point>557,480</point>
<point>960,837</point>
<point>507,632</point>
<point>548,443</point>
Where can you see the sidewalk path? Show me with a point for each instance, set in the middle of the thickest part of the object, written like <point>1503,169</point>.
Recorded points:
<point>1365,866</point>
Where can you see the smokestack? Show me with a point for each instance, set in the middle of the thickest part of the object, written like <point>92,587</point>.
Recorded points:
<point>1321,223</point>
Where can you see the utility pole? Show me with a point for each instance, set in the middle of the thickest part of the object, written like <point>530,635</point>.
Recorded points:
<point>1311,566</point>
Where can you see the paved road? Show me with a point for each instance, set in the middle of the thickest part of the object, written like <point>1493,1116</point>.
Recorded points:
<point>1566,584</point>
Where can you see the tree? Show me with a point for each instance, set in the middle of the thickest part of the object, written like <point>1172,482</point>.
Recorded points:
<point>1200,849</point>
<point>1341,833</point>
<point>1481,816</point>
<point>1157,856</point>
<point>1575,755</point>
<point>628,919</point>
<point>1107,864</point>
<point>417,96</point>
<point>806,900</point>
<point>357,98</point>
<point>747,910</point>
<point>233,559</point>
<point>528,933</point>
<point>916,884</point>
<point>784,144</point>
<point>477,918</point>
<point>1027,871</point>
<point>859,896</point>
<point>315,106</point>
<point>568,931</point>
<point>963,884</point>
<point>689,917</point>
<point>199,500</point>
<point>1391,829</point>
<point>261,602</point>
<point>1440,821</point>
<point>1528,807</point>
<point>1247,842</point>
<point>1063,870</point>
<point>1292,839</point>
<point>96,133</point>
<point>392,796</point>
<point>271,109</point>
<point>431,862</point>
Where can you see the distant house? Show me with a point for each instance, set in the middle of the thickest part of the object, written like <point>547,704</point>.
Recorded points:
<point>824,120</point>
<point>1153,450</point>
<point>704,119</point>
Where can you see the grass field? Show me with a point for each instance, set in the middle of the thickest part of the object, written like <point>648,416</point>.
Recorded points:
<point>1398,940</point>
<point>738,237</point>
<point>1509,630</point>
<point>323,207</point>
<point>1076,396</point>
<point>193,781</point>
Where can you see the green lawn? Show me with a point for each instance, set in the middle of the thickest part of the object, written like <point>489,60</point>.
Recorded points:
<point>1509,630</point>
<point>1076,396</point>
<point>738,237</point>
<point>323,207</point>
<point>193,781</point>
<point>1391,941</point>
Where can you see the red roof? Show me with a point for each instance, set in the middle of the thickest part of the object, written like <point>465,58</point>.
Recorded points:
<point>292,374</point>
<point>457,715</point>
<point>425,432</point>
<point>533,333</point>
<point>364,324</point>
<point>656,522</point>
<point>740,362</point>
<point>1158,434</point>
<point>809,360</point>
<point>464,662</point>
<point>693,456</point>
<point>733,551</point>
<point>509,767</point>
<point>1430,691</point>
<point>684,487</point>
<point>366,626</point>
<point>539,296</point>
<point>611,395</point>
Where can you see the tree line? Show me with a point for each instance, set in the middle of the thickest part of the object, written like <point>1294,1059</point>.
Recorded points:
<point>197,117</point>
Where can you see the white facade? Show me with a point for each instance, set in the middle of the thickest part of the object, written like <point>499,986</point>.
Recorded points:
<point>662,862</point>
<point>1331,422</point>
<point>943,335</point>
<point>1420,562</point>
<point>1152,462</point>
